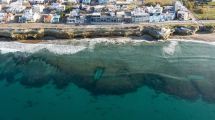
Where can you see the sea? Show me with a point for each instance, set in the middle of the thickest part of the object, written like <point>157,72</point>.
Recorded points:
<point>107,79</point>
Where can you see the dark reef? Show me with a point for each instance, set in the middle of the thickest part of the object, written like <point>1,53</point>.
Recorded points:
<point>38,70</point>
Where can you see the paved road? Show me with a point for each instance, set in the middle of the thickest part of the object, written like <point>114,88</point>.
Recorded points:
<point>46,25</point>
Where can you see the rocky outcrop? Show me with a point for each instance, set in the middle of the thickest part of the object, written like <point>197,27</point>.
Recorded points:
<point>185,30</point>
<point>155,31</point>
<point>22,34</point>
<point>68,33</point>
<point>208,28</point>
<point>158,32</point>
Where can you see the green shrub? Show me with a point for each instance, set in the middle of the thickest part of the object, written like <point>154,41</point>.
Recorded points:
<point>201,11</point>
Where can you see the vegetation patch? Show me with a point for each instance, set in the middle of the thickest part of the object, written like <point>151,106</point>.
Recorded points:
<point>203,10</point>
<point>161,2</point>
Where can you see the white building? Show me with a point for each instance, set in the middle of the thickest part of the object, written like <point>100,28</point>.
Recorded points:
<point>156,18</point>
<point>16,7</point>
<point>58,7</point>
<point>180,6</point>
<point>139,15</point>
<point>156,9</point>
<point>38,8</point>
<point>29,16</point>
<point>183,15</point>
<point>182,11</point>
<point>141,18</point>
<point>75,18</point>
<point>69,1</point>
<point>37,1</point>
<point>169,16</point>
<point>169,13</point>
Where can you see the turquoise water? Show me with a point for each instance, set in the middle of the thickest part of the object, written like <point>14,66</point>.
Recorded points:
<point>153,81</point>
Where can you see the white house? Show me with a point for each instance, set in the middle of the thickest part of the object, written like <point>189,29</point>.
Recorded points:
<point>139,15</point>
<point>37,1</point>
<point>180,6</point>
<point>169,13</point>
<point>69,1</point>
<point>38,8</point>
<point>29,16</point>
<point>156,18</point>
<point>55,18</point>
<point>75,18</point>
<point>16,7</point>
<point>183,15</point>
<point>156,9</point>
<point>58,6</point>
<point>169,16</point>
<point>182,11</point>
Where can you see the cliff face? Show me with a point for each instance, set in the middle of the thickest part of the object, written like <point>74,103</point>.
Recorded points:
<point>68,33</point>
<point>157,32</point>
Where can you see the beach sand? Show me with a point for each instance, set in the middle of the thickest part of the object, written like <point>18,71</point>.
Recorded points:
<point>207,37</point>
<point>30,41</point>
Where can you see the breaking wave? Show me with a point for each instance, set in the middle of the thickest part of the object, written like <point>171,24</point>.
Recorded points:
<point>171,48</point>
<point>8,47</point>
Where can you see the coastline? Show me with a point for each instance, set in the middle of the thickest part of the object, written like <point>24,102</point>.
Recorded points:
<point>148,32</point>
<point>71,46</point>
<point>198,37</point>
<point>202,37</point>
<point>160,31</point>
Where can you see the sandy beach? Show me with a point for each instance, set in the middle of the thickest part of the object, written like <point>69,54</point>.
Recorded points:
<point>207,37</point>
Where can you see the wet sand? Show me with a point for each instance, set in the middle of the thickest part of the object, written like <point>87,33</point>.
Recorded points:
<point>30,41</point>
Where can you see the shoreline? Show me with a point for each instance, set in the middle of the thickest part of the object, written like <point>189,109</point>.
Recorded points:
<point>205,37</point>
<point>147,32</point>
<point>159,31</point>
<point>201,37</point>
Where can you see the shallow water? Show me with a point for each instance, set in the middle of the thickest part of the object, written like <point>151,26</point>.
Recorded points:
<point>130,81</point>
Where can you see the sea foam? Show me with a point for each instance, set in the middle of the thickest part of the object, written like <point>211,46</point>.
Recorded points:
<point>8,47</point>
<point>171,48</point>
<point>74,46</point>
